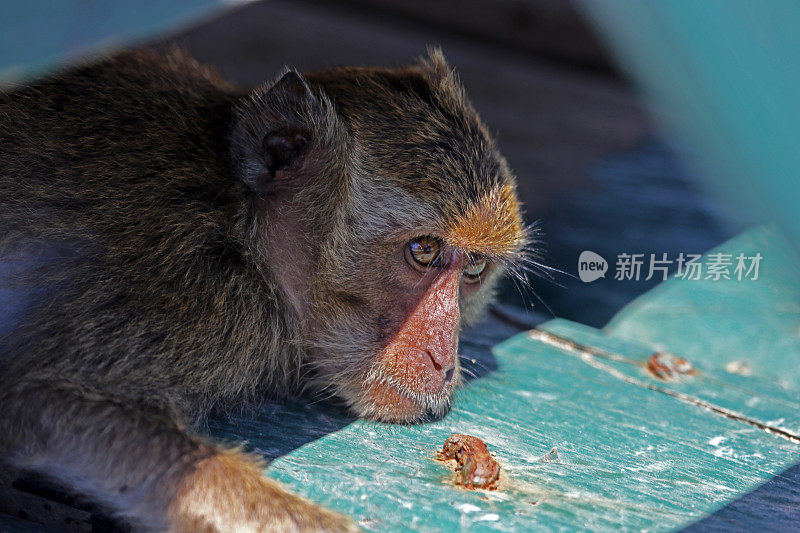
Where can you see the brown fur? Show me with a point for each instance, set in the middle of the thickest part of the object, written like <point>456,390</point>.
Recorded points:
<point>229,488</point>
<point>205,248</point>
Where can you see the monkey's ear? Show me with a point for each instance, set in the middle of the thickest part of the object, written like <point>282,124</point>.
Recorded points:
<point>272,132</point>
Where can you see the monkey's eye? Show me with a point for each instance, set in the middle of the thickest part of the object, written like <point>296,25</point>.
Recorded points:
<point>424,251</point>
<point>474,268</point>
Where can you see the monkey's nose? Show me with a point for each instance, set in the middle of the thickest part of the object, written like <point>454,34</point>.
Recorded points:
<point>440,376</point>
<point>436,364</point>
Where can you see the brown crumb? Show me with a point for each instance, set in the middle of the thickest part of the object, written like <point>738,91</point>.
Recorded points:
<point>476,468</point>
<point>668,367</point>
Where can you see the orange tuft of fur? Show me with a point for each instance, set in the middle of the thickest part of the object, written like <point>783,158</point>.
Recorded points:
<point>491,226</point>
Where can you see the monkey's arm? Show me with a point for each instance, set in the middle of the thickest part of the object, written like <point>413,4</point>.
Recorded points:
<point>144,465</point>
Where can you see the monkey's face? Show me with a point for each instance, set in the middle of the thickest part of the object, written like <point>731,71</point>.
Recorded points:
<point>391,299</point>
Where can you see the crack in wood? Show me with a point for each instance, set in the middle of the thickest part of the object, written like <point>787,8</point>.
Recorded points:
<point>589,355</point>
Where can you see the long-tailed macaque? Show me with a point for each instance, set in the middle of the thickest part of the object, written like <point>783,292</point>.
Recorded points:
<point>210,247</point>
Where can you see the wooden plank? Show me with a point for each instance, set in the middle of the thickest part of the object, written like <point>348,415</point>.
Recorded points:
<point>17,506</point>
<point>39,36</point>
<point>756,323</point>
<point>634,452</point>
<point>628,457</point>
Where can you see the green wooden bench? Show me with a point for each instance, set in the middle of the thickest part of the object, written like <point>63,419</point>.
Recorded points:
<point>633,452</point>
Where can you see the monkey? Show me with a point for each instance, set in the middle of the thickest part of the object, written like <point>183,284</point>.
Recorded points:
<point>208,247</point>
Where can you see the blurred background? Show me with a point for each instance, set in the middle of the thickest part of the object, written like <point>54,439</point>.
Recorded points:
<point>594,169</point>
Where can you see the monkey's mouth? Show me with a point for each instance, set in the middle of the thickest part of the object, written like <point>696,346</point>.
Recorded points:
<point>391,400</point>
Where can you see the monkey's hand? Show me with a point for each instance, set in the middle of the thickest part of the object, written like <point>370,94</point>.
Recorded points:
<point>227,492</point>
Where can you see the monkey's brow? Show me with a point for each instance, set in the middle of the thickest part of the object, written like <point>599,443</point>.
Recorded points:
<point>508,256</point>
<point>492,226</point>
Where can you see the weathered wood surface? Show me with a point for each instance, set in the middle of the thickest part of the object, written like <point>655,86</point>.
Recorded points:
<point>36,37</point>
<point>634,452</point>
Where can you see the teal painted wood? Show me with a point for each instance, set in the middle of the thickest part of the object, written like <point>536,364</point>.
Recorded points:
<point>715,323</point>
<point>757,398</point>
<point>634,452</point>
<point>41,35</point>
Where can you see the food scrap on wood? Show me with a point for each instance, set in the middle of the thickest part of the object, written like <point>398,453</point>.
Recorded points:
<point>668,367</point>
<point>475,466</point>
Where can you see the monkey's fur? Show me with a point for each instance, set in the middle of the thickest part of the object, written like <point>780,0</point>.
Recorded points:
<point>216,247</point>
